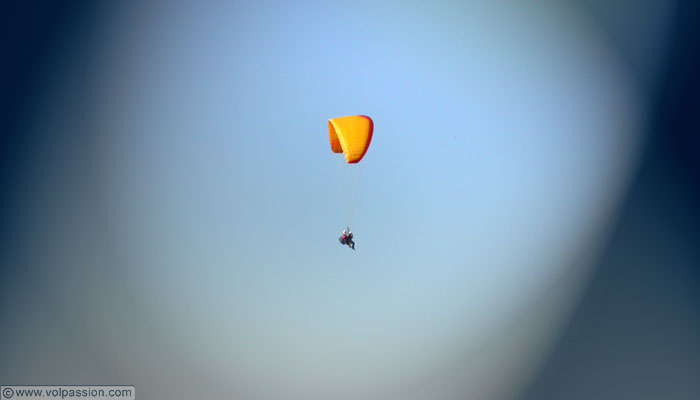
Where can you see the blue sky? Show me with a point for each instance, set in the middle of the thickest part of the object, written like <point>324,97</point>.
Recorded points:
<point>503,139</point>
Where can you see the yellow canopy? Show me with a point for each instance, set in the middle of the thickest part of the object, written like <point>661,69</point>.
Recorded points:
<point>351,136</point>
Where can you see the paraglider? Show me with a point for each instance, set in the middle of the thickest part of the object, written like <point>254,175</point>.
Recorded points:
<point>350,136</point>
<point>346,239</point>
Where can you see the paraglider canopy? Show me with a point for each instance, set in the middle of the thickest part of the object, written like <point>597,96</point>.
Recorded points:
<point>351,136</point>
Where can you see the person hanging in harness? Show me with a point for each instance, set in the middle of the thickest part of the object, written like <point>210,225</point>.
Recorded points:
<point>346,239</point>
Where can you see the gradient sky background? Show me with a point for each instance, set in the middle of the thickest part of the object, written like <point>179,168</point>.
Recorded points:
<point>173,206</point>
